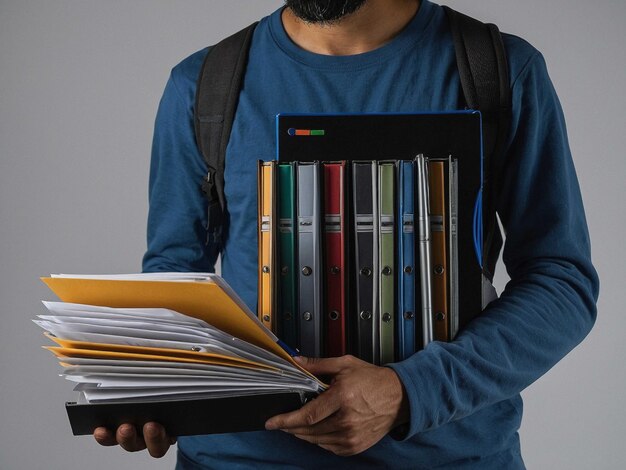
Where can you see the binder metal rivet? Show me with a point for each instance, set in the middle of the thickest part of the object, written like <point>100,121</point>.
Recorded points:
<point>266,269</point>
<point>440,316</point>
<point>365,315</point>
<point>438,269</point>
<point>307,316</point>
<point>367,272</point>
<point>287,315</point>
<point>307,271</point>
<point>284,270</point>
<point>409,315</point>
<point>266,318</point>
<point>386,270</point>
<point>334,315</point>
<point>196,349</point>
<point>386,317</point>
<point>408,269</point>
<point>334,270</point>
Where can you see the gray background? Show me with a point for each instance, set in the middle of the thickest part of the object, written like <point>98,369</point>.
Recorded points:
<point>79,86</point>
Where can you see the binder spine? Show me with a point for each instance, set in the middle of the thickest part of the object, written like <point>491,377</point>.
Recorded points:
<point>438,216</point>
<point>364,189</point>
<point>386,254</point>
<point>287,324</point>
<point>423,232</point>
<point>334,234</point>
<point>267,256</point>
<point>406,262</point>
<point>309,260</point>
<point>453,270</point>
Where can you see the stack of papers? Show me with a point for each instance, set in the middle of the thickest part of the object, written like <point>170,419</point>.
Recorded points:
<point>128,354</point>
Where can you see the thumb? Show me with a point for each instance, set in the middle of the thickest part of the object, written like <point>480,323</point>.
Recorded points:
<point>321,366</point>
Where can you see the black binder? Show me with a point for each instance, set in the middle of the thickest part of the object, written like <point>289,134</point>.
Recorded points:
<point>365,266</point>
<point>187,417</point>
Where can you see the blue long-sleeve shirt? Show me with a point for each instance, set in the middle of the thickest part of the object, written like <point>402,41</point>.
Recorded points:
<point>465,407</point>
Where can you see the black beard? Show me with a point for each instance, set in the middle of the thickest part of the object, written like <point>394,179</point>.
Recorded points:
<point>323,11</point>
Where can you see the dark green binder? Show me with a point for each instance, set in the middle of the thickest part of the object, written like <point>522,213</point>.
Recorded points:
<point>287,320</point>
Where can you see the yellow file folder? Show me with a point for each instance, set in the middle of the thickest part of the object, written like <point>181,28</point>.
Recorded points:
<point>203,299</point>
<point>69,348</point>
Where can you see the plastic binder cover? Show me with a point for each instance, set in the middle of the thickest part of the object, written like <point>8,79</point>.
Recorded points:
<point>362,137</point>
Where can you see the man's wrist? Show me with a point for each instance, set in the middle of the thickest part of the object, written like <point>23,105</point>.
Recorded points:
<point>399,400</point>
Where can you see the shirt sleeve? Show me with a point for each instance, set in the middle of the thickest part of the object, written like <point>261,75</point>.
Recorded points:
<point>548,306</point>
<point>177,236</point>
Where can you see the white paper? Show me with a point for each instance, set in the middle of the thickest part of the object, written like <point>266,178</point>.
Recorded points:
<point>168,378</point>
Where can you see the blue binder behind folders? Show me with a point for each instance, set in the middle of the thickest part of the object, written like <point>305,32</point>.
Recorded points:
<point>407,308</point>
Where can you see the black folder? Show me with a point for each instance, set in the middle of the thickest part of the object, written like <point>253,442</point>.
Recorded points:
<point>189,416</point>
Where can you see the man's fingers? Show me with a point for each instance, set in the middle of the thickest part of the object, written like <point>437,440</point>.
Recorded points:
<point>128,439</point>
<point>325,366</point>
<point>333,438</point>
<point>311,413</point>
<point>157,441</point>
<point>330,425</point>
<point>104,437</point>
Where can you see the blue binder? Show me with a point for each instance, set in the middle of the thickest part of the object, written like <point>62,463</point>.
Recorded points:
<point>407,307</point>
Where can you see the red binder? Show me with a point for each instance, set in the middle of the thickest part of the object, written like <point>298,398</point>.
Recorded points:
<point>334,237</point>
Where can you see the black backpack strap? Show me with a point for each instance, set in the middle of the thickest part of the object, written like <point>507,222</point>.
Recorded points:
<point>483,68</point>
<point>217,95</point>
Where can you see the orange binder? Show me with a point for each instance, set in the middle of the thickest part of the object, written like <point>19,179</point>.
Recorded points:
<point>267,230</point>
<point>437,198</point>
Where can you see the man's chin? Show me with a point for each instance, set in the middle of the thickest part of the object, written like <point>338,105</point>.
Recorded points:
<point>323,11</point>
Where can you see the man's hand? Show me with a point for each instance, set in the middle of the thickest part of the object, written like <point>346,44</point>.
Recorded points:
<point>363,403</point>
<point>154,438</point>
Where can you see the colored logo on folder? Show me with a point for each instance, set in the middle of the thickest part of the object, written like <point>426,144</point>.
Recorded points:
<point>308,132</point>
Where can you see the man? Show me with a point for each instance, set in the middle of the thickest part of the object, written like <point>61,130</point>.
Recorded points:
<point>453,405</point>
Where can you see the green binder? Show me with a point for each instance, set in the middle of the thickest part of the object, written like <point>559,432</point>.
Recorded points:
<point>287,324</point>
<point>386,253</point>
